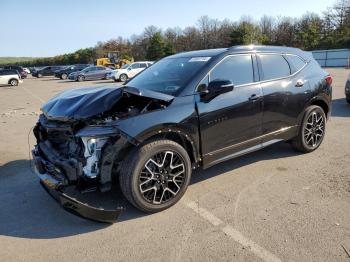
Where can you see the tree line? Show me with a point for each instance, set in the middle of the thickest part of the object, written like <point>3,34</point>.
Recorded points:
<point>312,31</point>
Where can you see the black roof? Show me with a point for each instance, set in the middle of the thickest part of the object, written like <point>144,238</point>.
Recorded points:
<point>245,49</point>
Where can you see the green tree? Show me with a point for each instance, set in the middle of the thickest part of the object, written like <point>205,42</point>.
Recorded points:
<point>155,50</point>
<point>169,49</point>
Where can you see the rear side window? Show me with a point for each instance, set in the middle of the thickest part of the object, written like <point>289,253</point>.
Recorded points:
<point>143,65</point>
<point>238,69</point>
<point>274,66</point>
<point>135,66</point>
<point>296,63</point>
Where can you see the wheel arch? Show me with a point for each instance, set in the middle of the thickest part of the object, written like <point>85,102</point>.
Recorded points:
<point>316,101</point>
<point>9,82</point>
<point>180,137</point>
<point>321,103</point>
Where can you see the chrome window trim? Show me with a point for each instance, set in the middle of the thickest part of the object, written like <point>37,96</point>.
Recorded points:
<point>257,82</point>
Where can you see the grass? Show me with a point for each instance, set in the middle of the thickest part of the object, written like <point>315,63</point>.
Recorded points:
<point>10,60</point>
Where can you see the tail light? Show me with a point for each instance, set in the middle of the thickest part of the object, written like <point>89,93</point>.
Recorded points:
<point>329,79</point>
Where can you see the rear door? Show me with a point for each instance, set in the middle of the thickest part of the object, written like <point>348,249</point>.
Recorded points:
<point>285,92</point>
<point>231,122</point>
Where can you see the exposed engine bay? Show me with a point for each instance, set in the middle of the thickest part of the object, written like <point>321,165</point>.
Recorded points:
<point>80,156</point>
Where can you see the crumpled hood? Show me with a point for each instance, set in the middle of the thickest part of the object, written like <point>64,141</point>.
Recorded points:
<point>81,103</point>
<point>86,102</point>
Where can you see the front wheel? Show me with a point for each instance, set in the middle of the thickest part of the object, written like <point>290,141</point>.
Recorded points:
<point>348,100</point>
<point>123,77</point>
<point>311,130</point>
<point>64,76</point>
<point>156,175</point>
<point>40,75</point>
<point>81,78</point>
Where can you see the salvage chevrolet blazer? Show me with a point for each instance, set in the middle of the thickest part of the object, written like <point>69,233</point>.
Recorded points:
<point>189,110</point>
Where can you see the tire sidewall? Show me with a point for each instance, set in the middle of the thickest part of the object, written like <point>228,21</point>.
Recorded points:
<point>139,164</point>
<point>121,77</point>
<point>80,78</point>
<point>308,112</point>
<point>14,82</point>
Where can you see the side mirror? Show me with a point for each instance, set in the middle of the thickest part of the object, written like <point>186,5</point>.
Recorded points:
<point>217,87</point>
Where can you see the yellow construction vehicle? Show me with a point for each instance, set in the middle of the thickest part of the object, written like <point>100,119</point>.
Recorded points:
<point>111,59</point>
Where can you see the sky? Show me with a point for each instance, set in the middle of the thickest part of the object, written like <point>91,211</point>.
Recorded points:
<point>42,28</point>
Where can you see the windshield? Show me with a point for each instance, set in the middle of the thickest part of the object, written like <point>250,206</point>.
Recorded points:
<point>169,75</point>
<point>125,66</point>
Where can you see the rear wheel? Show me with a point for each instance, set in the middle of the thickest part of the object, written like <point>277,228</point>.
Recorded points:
<point>14,82</point>
<point>348,100</point>
<point>80,78</point>
<point>156,175</point>
<point>40,75</point>
<point>64,76</point>
<point>311,131</point>
<point>123,77</point>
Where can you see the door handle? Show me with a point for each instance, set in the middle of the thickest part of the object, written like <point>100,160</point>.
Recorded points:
<point>299,83</point>
<point>254,97</point>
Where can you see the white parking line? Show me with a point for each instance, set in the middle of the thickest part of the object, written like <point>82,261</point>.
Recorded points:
<point>204,213</point>
<point>237,236</point>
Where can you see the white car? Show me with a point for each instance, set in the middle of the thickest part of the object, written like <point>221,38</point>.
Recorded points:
<point>129,70</point>
<point>10,77</point>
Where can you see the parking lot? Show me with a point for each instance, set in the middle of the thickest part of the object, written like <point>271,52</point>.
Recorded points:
<point>271,205</point>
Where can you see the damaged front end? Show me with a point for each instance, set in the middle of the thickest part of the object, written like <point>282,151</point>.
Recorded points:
<point>80,148</point>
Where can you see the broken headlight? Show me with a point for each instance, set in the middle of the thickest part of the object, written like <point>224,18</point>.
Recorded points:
<point>92,153</point>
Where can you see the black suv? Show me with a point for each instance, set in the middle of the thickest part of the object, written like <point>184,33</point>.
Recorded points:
<point>64,72</point>
<point>19,69</point>
<point>189,110</point>
<point>46,71</point>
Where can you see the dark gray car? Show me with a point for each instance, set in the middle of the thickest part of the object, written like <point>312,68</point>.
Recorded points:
<point>90,73</point>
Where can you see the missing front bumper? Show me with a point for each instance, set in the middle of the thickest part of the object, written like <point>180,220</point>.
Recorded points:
<point>84,210</point>
<point>56,189</point>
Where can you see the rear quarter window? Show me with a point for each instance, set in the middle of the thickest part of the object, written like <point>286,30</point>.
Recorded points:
<point>296,63</point>
<point>274,66</point>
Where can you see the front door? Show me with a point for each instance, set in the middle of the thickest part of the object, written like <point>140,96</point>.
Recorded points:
<point>231,122</point>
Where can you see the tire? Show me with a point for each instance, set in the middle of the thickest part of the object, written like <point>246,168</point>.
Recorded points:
<point>105,77</point>
<point>159,185</point>
<point>13,82</point>
<point>40,75</point>
<point>64,76</point>
<point>348,100</point>
<point>80,78</point>
<point>123,77</point>
<point>311,131</point>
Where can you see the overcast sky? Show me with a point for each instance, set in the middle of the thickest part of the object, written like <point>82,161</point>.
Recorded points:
<point>49,27</point>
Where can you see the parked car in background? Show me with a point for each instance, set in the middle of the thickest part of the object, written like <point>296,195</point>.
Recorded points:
<point>46,71</point>
<point>193,109</point>
<point>90,73</point>
<point>347,90</point>
<point>129,71</point>
<point>64,72</point>
<point>20,70</point>
<point>10,77</point>
<point>26,70</point>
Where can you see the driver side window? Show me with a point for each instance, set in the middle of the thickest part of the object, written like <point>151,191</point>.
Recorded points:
<point>238,69</point>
